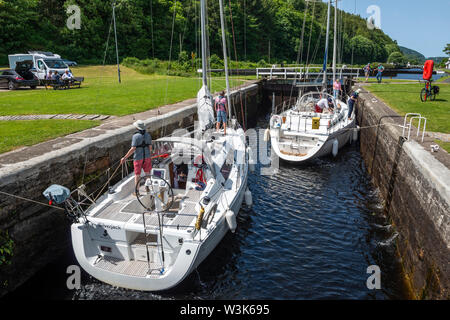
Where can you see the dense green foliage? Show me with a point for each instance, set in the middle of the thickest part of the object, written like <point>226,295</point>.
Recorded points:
<point>145,30</point>
<point>6,247</point>
<point>413,56</point>
<point>447,49</point>
<point>398,58</point>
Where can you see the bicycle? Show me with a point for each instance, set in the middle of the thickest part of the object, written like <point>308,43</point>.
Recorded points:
<point>429,92</point>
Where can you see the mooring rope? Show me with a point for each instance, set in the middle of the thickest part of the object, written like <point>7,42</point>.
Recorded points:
<point>30,200</point>
<point>107,182</point>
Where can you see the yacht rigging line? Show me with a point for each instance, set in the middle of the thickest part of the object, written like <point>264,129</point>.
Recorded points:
<point>236,57</point>
<point>300,51</point>
<point>310,33</point>
<point>107,41</point>
<point>170,57</point>
<point>151,27</point>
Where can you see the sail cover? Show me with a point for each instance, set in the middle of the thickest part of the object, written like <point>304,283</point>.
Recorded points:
<point>205,109</point>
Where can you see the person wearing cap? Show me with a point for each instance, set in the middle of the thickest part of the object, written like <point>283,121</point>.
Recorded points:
<point>351,102</point>
<point>141,147</point>
<point>221,110</point>
<point>380,73</point>
<point>325,104</point>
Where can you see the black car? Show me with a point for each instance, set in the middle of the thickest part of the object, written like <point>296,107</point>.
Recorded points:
<point>12,80</point>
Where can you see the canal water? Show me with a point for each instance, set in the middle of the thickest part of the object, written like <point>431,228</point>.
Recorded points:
<point>418,77</point>
<point>312,233</point>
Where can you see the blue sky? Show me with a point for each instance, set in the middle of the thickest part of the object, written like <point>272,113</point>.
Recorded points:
<point>420,25</point>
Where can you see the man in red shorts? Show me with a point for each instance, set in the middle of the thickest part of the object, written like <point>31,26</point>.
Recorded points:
<point>141,147</point>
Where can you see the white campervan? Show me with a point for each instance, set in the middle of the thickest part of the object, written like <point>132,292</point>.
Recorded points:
<point>38,62</point>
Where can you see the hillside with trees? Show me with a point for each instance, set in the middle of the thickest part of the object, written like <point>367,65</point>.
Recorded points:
<point>413,56</point>
<point>263,29</point>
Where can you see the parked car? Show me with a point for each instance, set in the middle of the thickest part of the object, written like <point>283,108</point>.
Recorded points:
<point>70,63</point>
<point>12,80</point>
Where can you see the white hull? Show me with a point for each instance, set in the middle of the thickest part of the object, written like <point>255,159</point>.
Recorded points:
<point>344,137</point>
<point>299,134</point>
<point>122,268</point>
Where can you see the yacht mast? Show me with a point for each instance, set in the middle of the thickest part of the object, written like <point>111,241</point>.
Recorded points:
<point>335,40</point>
<point>225,56</point>
<point>325,62</point>
<point>204,53</point>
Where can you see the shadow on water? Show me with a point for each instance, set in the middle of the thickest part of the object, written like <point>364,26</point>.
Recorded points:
<point>312,233</point>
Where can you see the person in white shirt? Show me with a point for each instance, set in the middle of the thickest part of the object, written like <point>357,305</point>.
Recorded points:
<point>324,105</point>
<point>67,75</point>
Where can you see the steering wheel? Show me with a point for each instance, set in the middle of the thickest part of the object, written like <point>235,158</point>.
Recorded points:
<point>147,199</point>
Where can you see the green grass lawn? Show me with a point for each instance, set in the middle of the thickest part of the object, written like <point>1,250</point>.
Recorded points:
<point>16,134</point>
<point>406,98</point>
<point>444,145</point>
<point>99,94</point>
<point>102,94</point>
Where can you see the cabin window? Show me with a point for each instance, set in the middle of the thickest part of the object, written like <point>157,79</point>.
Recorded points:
<point>180,173</point>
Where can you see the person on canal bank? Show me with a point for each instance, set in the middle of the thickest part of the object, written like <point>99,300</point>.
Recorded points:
<point>221,107</point>
<point>351,102</point>
<point>57,77</point>
<point>367,71</point>
<point>141,147</point>
<point>337,89</point>
<point>380,73</point>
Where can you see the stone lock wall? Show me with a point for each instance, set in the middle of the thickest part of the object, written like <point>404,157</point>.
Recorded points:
<point>415,187</point>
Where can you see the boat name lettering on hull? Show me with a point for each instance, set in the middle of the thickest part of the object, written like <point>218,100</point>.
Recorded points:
<point>110,227</point>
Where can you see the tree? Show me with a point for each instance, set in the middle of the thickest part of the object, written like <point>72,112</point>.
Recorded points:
<point>397,58</point>
<point>144,30</point>
<point>447,49</point>
<point>364,49</point>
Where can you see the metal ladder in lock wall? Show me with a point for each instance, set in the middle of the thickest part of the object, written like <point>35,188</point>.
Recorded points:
<point>408,126</point>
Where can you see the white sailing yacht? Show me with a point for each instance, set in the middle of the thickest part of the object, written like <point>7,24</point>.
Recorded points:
<point>301,134</point>
<point>155,238</point>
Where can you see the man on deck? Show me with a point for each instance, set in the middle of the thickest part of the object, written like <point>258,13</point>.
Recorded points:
<point>221,110</point>
<point>141,147</point>
<point>324,105</point>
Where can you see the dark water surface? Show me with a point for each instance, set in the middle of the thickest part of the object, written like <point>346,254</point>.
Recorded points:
<point>311,234</point>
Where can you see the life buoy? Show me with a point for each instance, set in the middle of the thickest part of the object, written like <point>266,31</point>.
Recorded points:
<point>428,70</point>
<point>199,162</point>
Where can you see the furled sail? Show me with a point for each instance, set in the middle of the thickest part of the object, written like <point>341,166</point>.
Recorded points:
<point>205,109</point>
